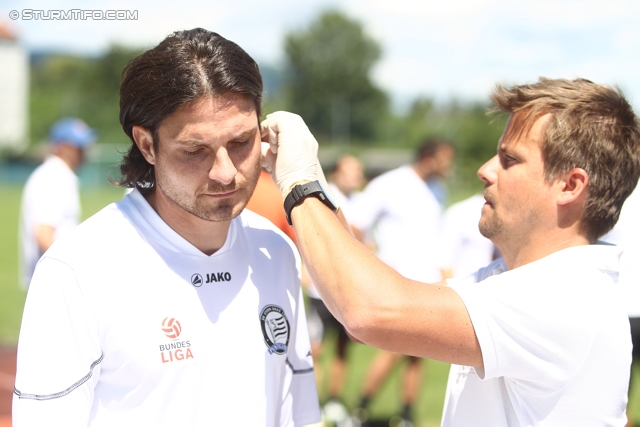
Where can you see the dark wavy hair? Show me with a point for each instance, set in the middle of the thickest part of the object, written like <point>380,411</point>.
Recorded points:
<point>184,67</point>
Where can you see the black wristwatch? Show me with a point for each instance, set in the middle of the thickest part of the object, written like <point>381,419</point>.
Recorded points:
<point>302,191</point>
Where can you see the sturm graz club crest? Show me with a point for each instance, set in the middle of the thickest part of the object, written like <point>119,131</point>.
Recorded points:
<point>275,329</point>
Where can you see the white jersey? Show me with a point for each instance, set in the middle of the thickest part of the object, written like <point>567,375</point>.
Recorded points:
<point>626,234</point>
<point>404,216</point>
<point>50,197</point>
<point>464,249</point>
<point>128,324</point>
<point>555,343</point>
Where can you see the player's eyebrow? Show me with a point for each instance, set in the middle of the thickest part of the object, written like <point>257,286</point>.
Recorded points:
<point>189,143</point>
<point>238,137</point>
<point>246,134</point>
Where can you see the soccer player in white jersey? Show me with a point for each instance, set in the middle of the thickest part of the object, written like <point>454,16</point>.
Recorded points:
<point>173,307</point>
<point>50,206</point>
<point>540,337</point>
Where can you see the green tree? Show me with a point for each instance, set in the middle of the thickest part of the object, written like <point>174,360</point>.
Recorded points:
<point>328,79</point>
<point>86,87</point>
<point>56,86</point>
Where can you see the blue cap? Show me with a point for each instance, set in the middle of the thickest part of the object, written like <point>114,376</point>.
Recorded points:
<point>73,131</point>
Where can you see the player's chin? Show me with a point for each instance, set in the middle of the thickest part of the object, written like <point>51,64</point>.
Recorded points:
<point>226,211</point>
<point>489,227</point>
<point>219,214</point>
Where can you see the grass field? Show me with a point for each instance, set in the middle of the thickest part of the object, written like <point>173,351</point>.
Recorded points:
<point>386,403</point>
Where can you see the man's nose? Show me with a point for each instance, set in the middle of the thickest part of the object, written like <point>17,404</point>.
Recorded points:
<point>487,172</point>
<point>223,170</point>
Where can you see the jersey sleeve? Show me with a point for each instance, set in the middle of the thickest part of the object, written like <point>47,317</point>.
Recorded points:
<point>518,327</point>
<point>59,355</point>
<point>300,400</point>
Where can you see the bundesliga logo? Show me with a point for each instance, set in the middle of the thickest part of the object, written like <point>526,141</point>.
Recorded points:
<point>176,350</point>
<point>171,327</point>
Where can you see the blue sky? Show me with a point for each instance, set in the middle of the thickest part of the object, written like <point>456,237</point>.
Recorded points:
<point>440,49</point>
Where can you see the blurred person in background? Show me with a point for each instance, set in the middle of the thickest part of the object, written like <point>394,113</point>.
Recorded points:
<point>50,205</point>
<point>403,215</point>
<point>464,249</point>
<point>346,179</point>
<point>175,305</point>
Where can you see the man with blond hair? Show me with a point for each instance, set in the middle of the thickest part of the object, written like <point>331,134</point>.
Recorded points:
<point>538,337</point>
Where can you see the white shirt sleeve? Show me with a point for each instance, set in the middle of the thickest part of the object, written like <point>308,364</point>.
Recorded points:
<point>59,351</point>
<point>300,400</point>
<point>516,324</point>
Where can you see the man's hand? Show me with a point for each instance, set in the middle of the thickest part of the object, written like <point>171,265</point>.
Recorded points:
<point>291,155</point>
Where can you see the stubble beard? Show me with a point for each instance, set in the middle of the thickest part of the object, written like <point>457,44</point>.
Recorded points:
<point>490,227</point>
<point>225,210</point>
<point>490,224</point>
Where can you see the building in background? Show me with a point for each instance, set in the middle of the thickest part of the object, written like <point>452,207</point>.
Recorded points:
<point>14,91</point>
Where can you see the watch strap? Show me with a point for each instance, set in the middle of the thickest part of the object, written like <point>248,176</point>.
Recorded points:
<point>301,192</point>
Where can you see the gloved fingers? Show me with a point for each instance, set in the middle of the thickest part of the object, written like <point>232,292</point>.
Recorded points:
<point>277,122</point>
<point>268,157</point>
<point>320,175</point>
<point>264,148</point>
<point>273,119</point>
<point>269,135</point>
<point>292,154</point>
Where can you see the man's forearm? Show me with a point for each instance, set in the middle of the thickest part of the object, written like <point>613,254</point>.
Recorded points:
<point>320,232</point>
<point>377,305</point>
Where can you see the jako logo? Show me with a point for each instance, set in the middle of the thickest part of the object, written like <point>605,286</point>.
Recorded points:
<point>171,327</point>
<point>196,280</point>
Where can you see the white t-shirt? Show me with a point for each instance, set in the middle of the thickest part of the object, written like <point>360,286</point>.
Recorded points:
<point>404,216</point>
<point>464,249</point>
<point>555,343</point>
<point>50,197</point>
<point>128,324</point>
<point>626,233</point>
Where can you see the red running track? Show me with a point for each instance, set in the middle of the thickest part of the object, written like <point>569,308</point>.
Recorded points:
<point>7,379</point>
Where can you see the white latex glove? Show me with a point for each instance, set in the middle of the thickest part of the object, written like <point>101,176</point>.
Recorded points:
<point>291,155</point>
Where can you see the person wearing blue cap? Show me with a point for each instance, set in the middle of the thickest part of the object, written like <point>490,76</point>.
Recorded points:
<point>50,200</point>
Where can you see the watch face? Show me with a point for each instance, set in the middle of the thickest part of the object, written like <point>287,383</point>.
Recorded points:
<point>329,195</point>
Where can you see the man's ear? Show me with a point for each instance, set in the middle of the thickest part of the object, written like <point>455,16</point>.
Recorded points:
<point>144,140</point>
<point>573,186</point>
